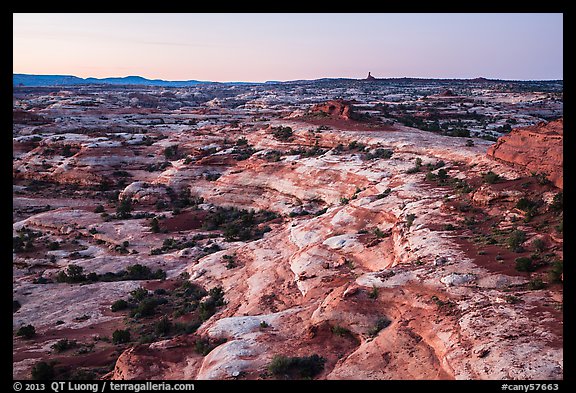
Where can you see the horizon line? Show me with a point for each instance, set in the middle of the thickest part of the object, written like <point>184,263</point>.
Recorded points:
<point>292,80</point>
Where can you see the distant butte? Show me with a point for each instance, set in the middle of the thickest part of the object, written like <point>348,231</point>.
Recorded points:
<point>370,77</point>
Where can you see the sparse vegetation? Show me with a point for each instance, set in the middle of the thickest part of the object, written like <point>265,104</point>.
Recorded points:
<point>154,225</point>
<point>536,284</point>
<point>119,305</point>
<point>282,133</point>
<point>410,220</point>
<point>555,273</point>
<point>381,323</point>
<point>524,264</point>
<point>491,177</point>
<point>340,331</point>
<point>373,294</point>
<point>384,194</point>
<point>296,367</point>
<point>517,237</point>
<point>120,336</point>
<point>43,371</point>
<point>238,224</point>
<point>208,307</point>
<point>27,331</point>
<point>63,345</point>
<point>230,261</point>
<point>416,167</point>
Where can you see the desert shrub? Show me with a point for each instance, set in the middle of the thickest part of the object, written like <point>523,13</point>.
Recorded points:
<point>83,375</point>
<point>379,153</point>
<point>384,194</point>
<point>373,294</point>
<point>442,174</point>
<point>212,176</point>
<point>119,305</point>
<point>340,331</point>
<point>381,323</point>
<point>154,225</point>
<point>139,294</point>
<point>539,245</point>
<point>282,133</point>
<point>302,367</point>
<point>63,345</point>
<point>99,209</point>
<point>410,220</point>
<point>230,261</point>
<point>557,204</point>
<point>536,284</point>
<point>53,246</point>
<point>146,308</point>
<point>524,264</point>
<point>171,152</point>
<point>163,327</point>
<point>124,208</point>
<point>416,167</point>
<point>120,336</point>
<point>204,346</point>
<point>42,371</point>
<point>517,237</point>
<point>242,141</point>
<point>491,177</point>
<point>208,307</point>
<point>27,331</point>
<point>555,273</point>
<point>469,143</point>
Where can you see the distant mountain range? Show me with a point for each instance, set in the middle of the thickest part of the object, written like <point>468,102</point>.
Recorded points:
<point>30,80</point>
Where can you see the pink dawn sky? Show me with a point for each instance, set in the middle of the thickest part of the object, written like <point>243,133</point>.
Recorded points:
<point>260,47</point>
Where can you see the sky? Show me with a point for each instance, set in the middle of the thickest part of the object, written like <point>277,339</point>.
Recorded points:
<point>260,47</point>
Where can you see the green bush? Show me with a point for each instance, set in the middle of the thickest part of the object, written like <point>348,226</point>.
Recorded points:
<point>373,294</point>
<point>27,331</point>
<point>146,308</point>
<point>119,305</point>
<point>539,245</point>
<point>555,273</point>
<point>384,194</point>
<point>73,274</point>
<point>524,264</point>
<point>557,204</point>
<point>120,336</point>
<point>340,331</point>
<point>63,345</point>
<point>42,371</point>
<point>536,284</point>
<point>491,177</point>
<point>381,323</point>
<point>139,293</point>
<point>282,133</point>
<point>517,237</point>
<point>410,220</point>
<point>302,367</point>
<point>163,327</point>
<point>208,307</point>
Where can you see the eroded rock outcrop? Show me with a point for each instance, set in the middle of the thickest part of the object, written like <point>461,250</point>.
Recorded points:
<point>339,108</point>
<point>537,149</point>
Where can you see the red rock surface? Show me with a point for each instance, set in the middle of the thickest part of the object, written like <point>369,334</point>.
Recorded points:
<point>537,149</point>
<point>341,109</point>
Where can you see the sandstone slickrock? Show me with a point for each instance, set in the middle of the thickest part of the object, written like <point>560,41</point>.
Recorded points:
<point>385,271</point>
<point>538,149</point>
